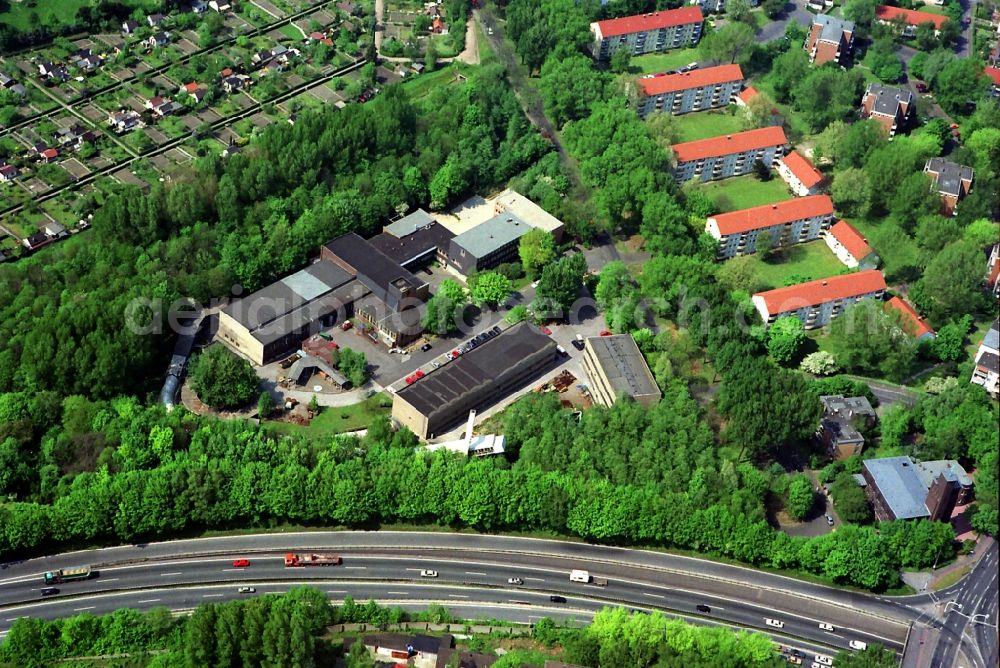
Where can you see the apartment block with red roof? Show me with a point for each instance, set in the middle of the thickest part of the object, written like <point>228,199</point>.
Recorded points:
<point>818,302</point>
<point>830,40</point>
<point>951,180</point>
<point>887,15</point>
<point>648,33</point>
<point>801,175</point>
<point>697,90</point>
<point>728,155</point>
<point>850,246</point>
<point>782,224</point>
<point>893,108</point>
<point>913,323</point>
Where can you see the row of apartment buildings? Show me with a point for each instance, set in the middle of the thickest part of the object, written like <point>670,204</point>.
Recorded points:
<point>648,33</point>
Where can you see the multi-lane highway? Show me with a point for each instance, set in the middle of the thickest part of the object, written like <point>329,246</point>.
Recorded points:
<point>473,572</point>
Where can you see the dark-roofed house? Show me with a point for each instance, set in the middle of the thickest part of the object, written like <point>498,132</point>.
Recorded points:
<point>818,302</point>
<point>901,489</point>
<point>414,241</point>
<point>840,428</point>
<point>951,180</point>
<point>850,246</point>
<point>987,370</point>
<point>830,39</point>
<point>274,320</point>
<point>129,27</point>
<point>394,305</point>
<point>8,173</point>
<point>157,40</point>
<point>443,398</point>
<point>893,108</point>
<point>616,368</point>
<point>647,33</point>
<point>781,224</point>
<point>488,244</point>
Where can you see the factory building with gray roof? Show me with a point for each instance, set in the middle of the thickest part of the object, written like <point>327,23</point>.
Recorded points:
<point>488,244</point>
<point>617,368</point>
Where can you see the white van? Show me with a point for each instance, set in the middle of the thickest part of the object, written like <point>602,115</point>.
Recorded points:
<point>776,623</point>
<point>858,644</point>
<point>579,576</point>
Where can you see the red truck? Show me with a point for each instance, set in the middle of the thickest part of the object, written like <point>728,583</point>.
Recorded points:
<point>293,560</point>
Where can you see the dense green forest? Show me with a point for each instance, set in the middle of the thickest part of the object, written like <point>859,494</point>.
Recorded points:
<point>282,631</point>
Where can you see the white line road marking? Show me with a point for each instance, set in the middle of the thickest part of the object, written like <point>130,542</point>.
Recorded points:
<point>474,573</point>
<point>646,593</point>
<point>399,593</point>
<point>336,591</point>
<point>360,568</point>
<point>91,607</point>
<point>149,600</point>
<point>414,569</point>
<point>457,596</point>
<point>14,619</point>
<point>163,575</point>
<point>211,595</point>
<point>103,580</point>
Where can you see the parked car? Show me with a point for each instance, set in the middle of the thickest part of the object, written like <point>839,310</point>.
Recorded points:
<point>428,574</point>
<point>425,347</point>
<point>347,325</point>
<point>921,87</point>
<point>605,332</point>
<point>435,364</point>
<point>824,660</point>
<point>241,563</point>
<point>794,660</point>
<point>515,581</point>
<point>246,590</point>
<point>577,344</point>
<point>562,351</point>
<point>829,521</point>
<point>546,331</point>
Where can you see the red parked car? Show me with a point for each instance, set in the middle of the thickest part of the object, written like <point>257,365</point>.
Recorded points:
<point>347,325</point>
<point>241,563</point>
<point>605,332</point>
<point>546,331</point>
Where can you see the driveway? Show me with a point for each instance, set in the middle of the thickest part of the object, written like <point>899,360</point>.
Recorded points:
<point>794,11</point>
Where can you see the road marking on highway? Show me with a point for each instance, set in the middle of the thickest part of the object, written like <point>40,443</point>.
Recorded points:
<point>457,596</point>
<point>652,595</point>
<point>336,591</point>
<point>149,600</point>
<point>14,619</point>
<point>163,575</point>
<point>363,568</point>
<point>211,595</point>
<point>398,593</point>
<point>89,607</point>
<point>103,580</point>
<point>474,573</point>
<point>535,579</point>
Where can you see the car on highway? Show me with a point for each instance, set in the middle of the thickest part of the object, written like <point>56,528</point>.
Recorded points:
<point>858,645</point>
<point>557,599</point>
<point>515,581</point>
<point>824,660</point>
<point>428,574</point>
<point>49,591</point>
<point>241,563</point>
<point>825,626</point>
<point>776,623</point>
<point>246,590</point>
<point>701,607</point>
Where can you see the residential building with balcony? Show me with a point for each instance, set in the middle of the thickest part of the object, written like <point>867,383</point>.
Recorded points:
<point>782,224</point>
<point>818,302</point>
<point>951,180</point>
<point>893,108</point>
<point>830,40</point>
<point>697,90</point>
<point>911,18</point>
<point>647,33</point>
<point>728,155</point>
<point>801,175</point>
<point>850,246</point>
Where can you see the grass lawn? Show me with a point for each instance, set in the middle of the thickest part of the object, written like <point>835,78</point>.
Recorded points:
<point>660,62</point>
<point>421,85</point>
<point>743,192</point>
<point>807,261</point>
<point>339,419</point>
<point>19,15</point>
<point>705,124</point>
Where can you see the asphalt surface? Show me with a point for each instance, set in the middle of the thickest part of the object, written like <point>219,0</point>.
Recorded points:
<point>971,614</point>
<point>472,569</point>
<point>794,11</point>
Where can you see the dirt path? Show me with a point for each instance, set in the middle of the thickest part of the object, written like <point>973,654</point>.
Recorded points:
<point>470,54</point>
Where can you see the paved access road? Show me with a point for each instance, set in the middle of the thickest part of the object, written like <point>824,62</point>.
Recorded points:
<point>473,569</point>
<point>971,615</point>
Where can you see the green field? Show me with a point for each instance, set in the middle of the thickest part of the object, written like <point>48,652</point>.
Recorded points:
<point>338,419</point>
<point>705,124</point>
<point>743,192</point>
<point>661,62</point>
<point>55,13</point>
<point>803,262</point>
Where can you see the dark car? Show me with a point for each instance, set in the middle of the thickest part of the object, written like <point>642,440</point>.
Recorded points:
<point>577,344</point>
<point>425,347</point>
<point>701,607</point>
<point>557,599</point>
<point>49,591</point>
<point>921,87</point>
